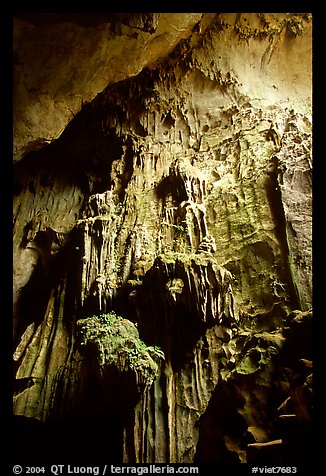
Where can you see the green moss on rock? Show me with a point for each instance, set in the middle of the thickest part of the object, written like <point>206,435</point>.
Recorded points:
<point>114,341</point>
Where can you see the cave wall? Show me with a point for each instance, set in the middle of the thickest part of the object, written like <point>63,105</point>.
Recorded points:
<point>70,57</point>
<point>178,196</point>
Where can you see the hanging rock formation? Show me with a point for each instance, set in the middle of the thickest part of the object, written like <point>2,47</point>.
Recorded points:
<point>162,236</point>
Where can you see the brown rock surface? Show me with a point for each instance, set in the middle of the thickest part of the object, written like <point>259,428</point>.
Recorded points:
<point>63,61</point>
<point>175,190</point>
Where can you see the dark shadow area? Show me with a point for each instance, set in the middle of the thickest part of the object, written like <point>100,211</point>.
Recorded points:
<point>142,21</point>
<point>32,303</point>
<point>64,266</point>
<point>173,185</point>
<point>274,196</point>
<point>75,441</point>
<point>84,425</point>
<point>82,157</point>
<point>221,422</point>
<point>283,410</point>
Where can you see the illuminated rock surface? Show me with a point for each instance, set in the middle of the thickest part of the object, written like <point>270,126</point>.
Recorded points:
<point>163,172</point>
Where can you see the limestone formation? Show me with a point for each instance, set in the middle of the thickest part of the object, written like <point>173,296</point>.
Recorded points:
<point>162,235</point>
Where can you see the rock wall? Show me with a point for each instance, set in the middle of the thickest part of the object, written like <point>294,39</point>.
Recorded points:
<point>179,198</point>
<point>63,60</point>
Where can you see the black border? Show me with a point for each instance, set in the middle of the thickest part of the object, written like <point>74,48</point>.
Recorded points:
<point>6,20</point>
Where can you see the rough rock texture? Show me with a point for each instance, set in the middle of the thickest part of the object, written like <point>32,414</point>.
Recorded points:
<point>179,198</point>
<point>63,60</point>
